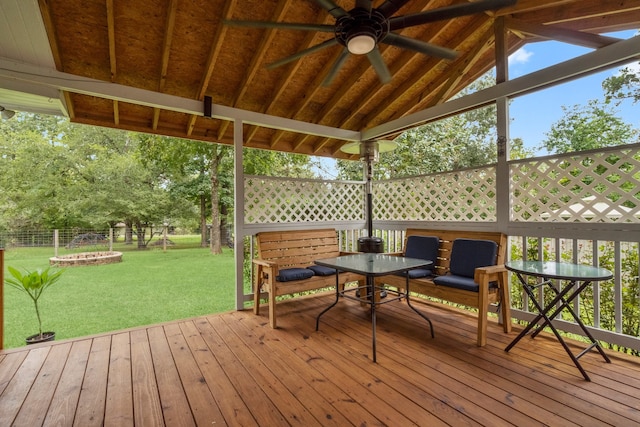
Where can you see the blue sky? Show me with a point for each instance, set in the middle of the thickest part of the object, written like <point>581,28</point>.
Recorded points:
<point>533,115</point>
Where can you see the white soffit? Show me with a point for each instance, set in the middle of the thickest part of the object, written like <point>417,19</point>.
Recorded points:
<point>24,40</point>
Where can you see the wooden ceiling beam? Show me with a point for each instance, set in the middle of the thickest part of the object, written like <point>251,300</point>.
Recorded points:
<point>460,68</point>
<point>566,12</point>
<point>111,28</point>
<point>526,6</point>
<point>552,32</point>
<point>303,102</point>
<point>261,51</point>
<point>433,85</point>
<point>164,63</point>
<point>50,29</point>
<point>212,58</point>
<point>280,89</point>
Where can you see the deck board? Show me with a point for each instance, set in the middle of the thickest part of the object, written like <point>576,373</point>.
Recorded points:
<point>119,401</point>
<point>144,386</point>
<point>34,409</point>
<point>203,406</point>
<point>65,399</point>
<point>175,406</point>
<point>233,369</point>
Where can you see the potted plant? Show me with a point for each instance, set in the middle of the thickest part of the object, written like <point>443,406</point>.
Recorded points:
<point>34,283</point>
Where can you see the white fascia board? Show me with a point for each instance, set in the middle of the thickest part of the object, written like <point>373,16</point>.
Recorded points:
<point>616,54</point>
<point>23,96</point>
<point>12,70</point>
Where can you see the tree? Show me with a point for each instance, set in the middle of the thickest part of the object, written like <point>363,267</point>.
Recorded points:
<point>203,173</point>
<point>588,127</point>
<point>36,173</point>
<point>624,85</point>
<point>58,175</point>
<point>185,168</point>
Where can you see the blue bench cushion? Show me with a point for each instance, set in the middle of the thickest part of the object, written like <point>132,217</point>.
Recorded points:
<point>459,282</point>
<point>321,270</point>
<point>289,274</point>
<point>421,247</point>
<point>416,273</point>
<point>469,254</point>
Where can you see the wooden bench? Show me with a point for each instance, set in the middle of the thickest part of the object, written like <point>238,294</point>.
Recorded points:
<point>491,280</point>
<point>281,251</point>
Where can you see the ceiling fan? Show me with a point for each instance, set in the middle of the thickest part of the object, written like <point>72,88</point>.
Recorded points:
<point>360,30</point>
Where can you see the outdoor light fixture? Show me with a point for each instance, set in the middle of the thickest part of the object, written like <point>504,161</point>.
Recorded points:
<point>361,44</point>
<point>6,114</point>
<point>369,152</point>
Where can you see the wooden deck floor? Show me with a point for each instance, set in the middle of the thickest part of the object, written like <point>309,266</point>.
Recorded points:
<point>232,369</point>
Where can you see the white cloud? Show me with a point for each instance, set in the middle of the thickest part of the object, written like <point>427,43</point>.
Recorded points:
<point>520,56</point>
<point>633,67</point>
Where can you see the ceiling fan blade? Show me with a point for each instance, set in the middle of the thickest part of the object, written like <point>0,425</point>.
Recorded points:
<point>419,46</point>
<point>335,67</point>
<point>281,25</point>
<point>379,66</point>
<point>331,7</point>
<point>364,4</point>
<point>446,12</point>
<point>312,49</point>
<point>390,7</point>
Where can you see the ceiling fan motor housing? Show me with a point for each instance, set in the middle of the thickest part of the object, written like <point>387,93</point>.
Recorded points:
<point>361,22</point>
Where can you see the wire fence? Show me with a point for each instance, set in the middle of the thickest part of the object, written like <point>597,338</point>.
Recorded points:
<point>78,240</point>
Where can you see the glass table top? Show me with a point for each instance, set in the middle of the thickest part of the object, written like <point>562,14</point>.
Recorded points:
<point>372,264</point>
<point>559,270</point>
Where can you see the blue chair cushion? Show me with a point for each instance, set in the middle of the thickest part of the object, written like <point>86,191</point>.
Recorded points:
<point>416,273</point>
<point>459,282</point>
<point>289,274</point>
<point>321,270</point>
<point>469,254</point>
<point>422,247</point>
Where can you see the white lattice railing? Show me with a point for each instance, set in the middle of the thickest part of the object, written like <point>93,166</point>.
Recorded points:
<point>602,186</point>
<point>271,200</point>
<point>592,198</point>
<point>465,195</point>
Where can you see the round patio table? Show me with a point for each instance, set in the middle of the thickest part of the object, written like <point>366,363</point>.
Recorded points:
<point>576,278</point>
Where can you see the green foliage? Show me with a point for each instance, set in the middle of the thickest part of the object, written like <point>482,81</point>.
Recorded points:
<point>588,127</point>
<point>33,283</point>
<point>275,163</point>
<point>624,85</point>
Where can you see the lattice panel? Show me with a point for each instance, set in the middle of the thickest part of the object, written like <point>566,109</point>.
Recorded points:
<point>468,195</point>
<point>590,187</point>
<point>278,200</point>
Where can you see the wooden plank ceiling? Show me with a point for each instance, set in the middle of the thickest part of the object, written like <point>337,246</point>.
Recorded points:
<point>183,48</point>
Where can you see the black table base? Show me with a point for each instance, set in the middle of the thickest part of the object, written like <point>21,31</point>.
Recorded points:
<point>559,303</point>
<point>369,291</point>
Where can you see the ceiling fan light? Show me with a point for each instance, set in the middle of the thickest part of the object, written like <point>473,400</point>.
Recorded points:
<point>361,44</point>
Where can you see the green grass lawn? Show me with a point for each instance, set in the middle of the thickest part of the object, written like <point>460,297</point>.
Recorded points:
<point>147,287</point>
